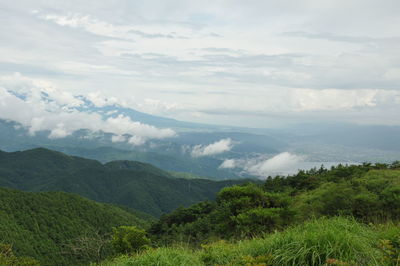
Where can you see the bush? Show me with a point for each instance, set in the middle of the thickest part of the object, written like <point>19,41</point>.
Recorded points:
<point>127,239</point>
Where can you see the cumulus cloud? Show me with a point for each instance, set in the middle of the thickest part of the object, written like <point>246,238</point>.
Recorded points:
<point>279,164</point>
<point>38,109</point>
<point>218,147</point>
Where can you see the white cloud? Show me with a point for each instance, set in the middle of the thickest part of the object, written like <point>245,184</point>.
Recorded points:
<point>218,147</point>
<point>262,165</point>
<point>216,62</point>
<point>36,89</point>
<point>38,112</point>
<point>228,164</point>
<point>118,138</point>
<point>335,99</point>
<point>136,140</point>
<point>279,164</point>
<point>59,132</point>
<point>100,101</point>
<point>124,125</point>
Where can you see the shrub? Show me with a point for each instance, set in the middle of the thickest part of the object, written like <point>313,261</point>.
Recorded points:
<point>127,239</point>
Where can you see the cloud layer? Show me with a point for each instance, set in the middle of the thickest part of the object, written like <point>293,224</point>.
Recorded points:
<point>40,108</point>
<point>230,62</point>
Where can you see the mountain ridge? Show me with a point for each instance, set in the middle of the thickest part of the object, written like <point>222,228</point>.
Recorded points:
<point>145,188</point>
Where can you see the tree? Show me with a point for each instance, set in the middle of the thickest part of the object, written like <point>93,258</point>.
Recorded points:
<point>89,247</point>
<point>127,239</point>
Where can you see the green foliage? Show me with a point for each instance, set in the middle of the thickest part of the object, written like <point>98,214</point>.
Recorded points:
<point>389,243</point>
<point>317,241</point>
<point>7,258</point>
<point>128,239</point>
<point>165,256</point>
<point>238,211</point>
<point>93,247</point>
<point>370,198</point>
<point>333,241</point>
<point>312,243</point>
<point>135,185</point>
<point>57,228</point>
<point>370,193</point>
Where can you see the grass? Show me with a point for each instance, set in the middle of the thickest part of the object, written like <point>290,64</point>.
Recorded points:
<point>333,241</point>
<point>166,256</point>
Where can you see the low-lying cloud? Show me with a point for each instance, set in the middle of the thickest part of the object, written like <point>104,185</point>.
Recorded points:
<point>281,164</point>
<point>39,108</point>
<point>218,147</point>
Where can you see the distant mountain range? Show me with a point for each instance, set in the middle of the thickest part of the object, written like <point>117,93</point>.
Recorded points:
<point>250,148</point>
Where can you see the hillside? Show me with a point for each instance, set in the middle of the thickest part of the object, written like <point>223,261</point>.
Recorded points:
<point>42,225</point>
<point>346,215</point>
<point>328,242</point>
<point>369,193</point>
<point>136,185</point>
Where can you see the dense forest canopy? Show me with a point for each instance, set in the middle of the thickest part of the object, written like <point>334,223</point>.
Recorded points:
<point>48,226</point>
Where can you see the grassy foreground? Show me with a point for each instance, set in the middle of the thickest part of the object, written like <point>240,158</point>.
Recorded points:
<point>333,241</point>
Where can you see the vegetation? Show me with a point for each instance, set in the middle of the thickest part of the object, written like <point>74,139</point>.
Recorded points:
<point>7,258</point>
<point>127,239</point>
<point>57,228</point>
<point>369,193</point>
<point>136,185</point>
<point>346,215</point>
<point>323,241</point>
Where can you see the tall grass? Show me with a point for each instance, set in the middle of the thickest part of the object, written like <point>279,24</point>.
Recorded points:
<point>322,240</point>
<point>165,256</point>
<point>334,241</point>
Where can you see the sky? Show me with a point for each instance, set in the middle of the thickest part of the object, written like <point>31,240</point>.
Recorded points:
<point>253,63</point>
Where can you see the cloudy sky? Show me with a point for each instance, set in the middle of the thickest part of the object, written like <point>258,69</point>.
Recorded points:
<point>253,63</point>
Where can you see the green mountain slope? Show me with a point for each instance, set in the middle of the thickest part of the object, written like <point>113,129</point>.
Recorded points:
<point>369,193</point>
<point>40,225</point>
<point>136,185</point>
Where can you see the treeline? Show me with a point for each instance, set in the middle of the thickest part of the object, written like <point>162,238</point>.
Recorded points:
<point>369,192</point>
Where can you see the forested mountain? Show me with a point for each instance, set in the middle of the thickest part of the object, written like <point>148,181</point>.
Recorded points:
<point>50,226</point>
<point>137,185</point>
